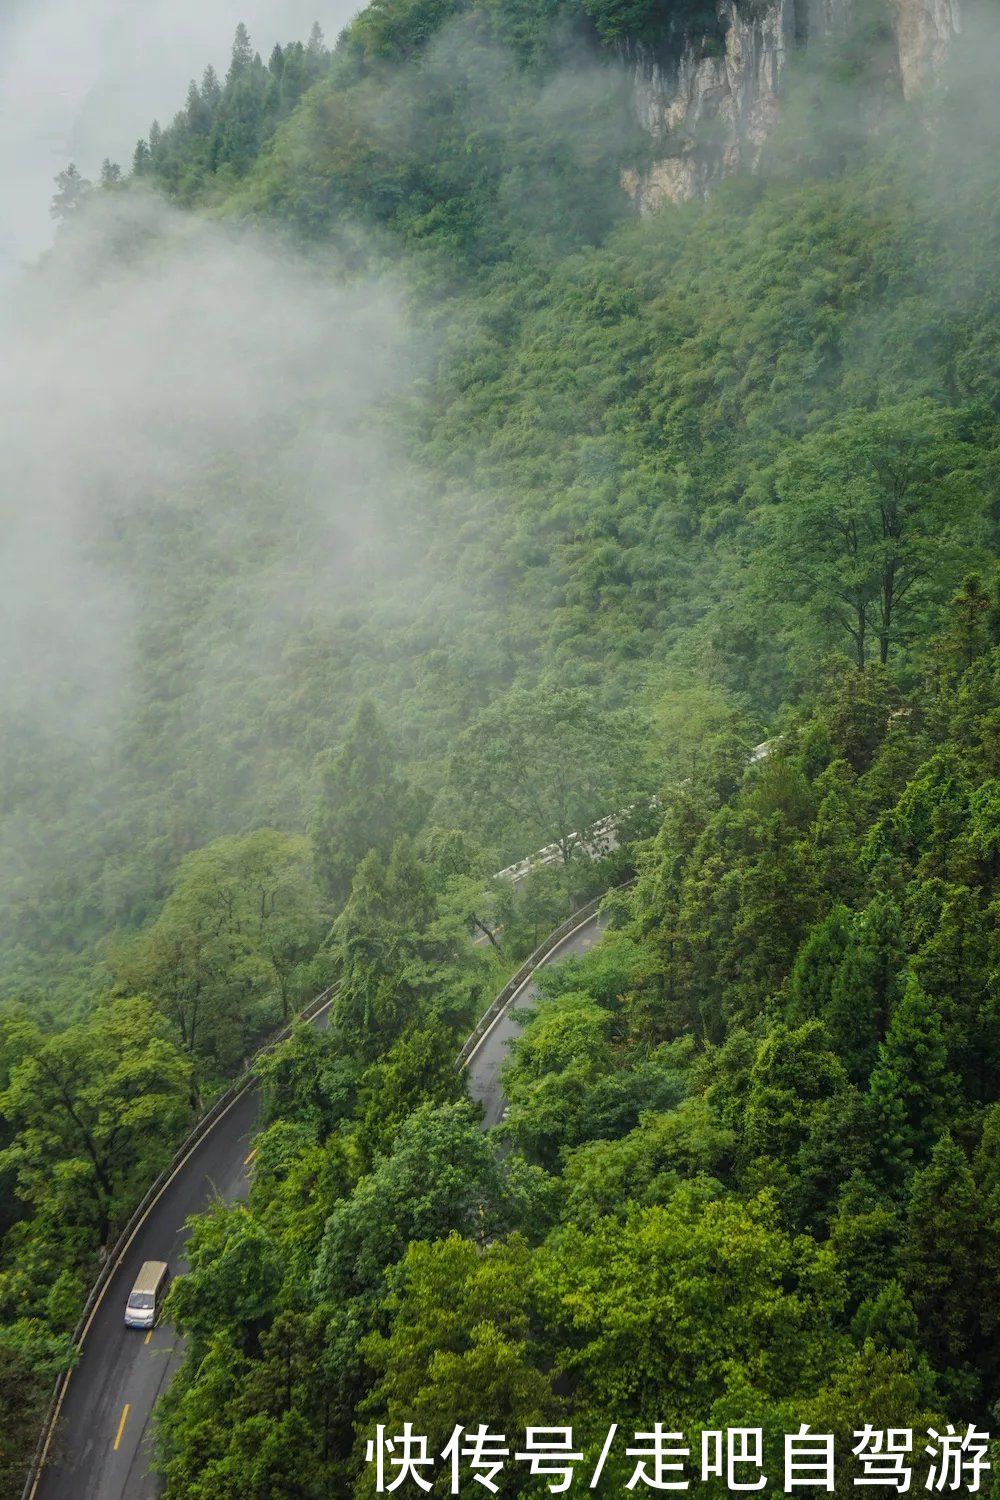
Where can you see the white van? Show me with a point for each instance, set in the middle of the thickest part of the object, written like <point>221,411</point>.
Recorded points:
<point>146,1297</point>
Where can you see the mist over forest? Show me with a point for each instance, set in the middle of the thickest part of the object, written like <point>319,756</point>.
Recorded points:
<point>187,416</point>
<point>384,498</point>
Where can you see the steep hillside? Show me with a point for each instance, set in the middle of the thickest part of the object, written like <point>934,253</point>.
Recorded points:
<point>392,499</point>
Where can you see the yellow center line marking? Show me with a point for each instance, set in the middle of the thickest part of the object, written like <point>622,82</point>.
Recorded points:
<point>149,1335</point>
<point>121,1426</point>
<point>248,1159</point>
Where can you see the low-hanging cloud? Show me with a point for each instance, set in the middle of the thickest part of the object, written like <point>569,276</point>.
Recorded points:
<point>192,470</point>
<point>211,531</point>
<point>83,81</point>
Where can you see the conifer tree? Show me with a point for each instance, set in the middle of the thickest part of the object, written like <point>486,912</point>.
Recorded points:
<point>71,191</point>
<point>399,954</point>
<point>242,55</point>
<point>941,1253</point>
<point>911,1087</point>
<point>197,115</point>
<point>993,615</point>
<point>365,802</point>
<point>793,1073</point>
<point>863,990</point>
<point>211,88</point>
<point>954,966</point>
<point>817,964</point>
<point>968,636</point>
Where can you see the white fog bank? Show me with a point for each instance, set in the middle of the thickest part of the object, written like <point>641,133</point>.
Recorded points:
<point>82,79</point>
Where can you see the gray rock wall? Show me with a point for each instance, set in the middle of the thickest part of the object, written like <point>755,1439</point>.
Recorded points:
<point>709,116</point>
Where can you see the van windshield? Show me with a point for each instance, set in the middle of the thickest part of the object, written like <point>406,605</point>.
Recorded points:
<point>143,1301</point>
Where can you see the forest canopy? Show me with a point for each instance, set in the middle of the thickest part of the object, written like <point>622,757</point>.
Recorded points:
<point>495,509</point>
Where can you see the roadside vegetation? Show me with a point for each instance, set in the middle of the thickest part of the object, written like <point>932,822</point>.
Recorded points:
<point>672,487</point>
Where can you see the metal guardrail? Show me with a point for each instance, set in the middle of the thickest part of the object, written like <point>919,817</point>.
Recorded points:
<point>245,1081</point>
<point>598,841</point>
<point>510,989</point>
<point>601,839</point>
<point>118,1250</point>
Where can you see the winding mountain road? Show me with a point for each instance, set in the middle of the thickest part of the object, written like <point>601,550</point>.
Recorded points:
<point>101,1443</point>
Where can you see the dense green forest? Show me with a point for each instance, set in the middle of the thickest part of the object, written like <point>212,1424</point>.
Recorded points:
<point>649,492</point>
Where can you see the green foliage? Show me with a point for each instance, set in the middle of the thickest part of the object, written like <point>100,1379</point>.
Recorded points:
<point>646,1165</point>
<point>233,1281</point>
<point>222,959</point>
<point>419,1066</point>
<point>29,1362</point>
<point>667,1307</point>
<point>308,1080</point>
<point>817,965</point>
<point>441,1176</point>
<point>772,1224</point>
<point>549,761</point>
<point>669,487</point>
<point>874,512</point>
<point>95,1108</point>
<point>942,1255</point>
<point>660,25</point>
<point>864,989</point>
<point>71,192</point>
<point>460,1346</point>
<point>217,138</point>
<point>911,1087</point>
<point>397,29</point>
<point>794,1073</point>
<point>401,958</point>
<point>365,803</point>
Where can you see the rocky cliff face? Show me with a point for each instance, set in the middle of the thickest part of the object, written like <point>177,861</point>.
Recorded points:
<point>709,115</point>
<point>924,30</point>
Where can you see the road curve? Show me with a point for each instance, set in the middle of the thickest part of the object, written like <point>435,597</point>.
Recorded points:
<point>101,1446</point>
<point>486,1061</point>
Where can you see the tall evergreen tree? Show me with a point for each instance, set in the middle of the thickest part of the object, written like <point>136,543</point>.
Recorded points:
<point>993,615</point>
<point>817,964</point>
<point>912,1088</point>
<point>400,957</point>
<point>794,1072</point>
<point>941,1254</point>
<point>954,965</point>
<point>197,113</point>
<point>968,635</point>
<point>365,802</point>
<point>71,191</point>
<point>242,55</point>
<point>211,88</point>
<point>864,989</point>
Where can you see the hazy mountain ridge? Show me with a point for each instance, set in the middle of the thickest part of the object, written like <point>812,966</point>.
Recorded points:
<point>399,400</point>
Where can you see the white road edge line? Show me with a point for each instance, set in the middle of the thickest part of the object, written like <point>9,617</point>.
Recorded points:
<point>594,917</point>
<point>124,1251</point>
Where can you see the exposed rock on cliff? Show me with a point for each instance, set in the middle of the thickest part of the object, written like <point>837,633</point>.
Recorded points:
<point>710,115</point>
<point>924,29</point>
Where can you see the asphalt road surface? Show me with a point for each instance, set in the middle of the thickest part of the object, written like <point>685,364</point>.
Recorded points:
<point>102,1443</point>
<point>488,1059</point>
